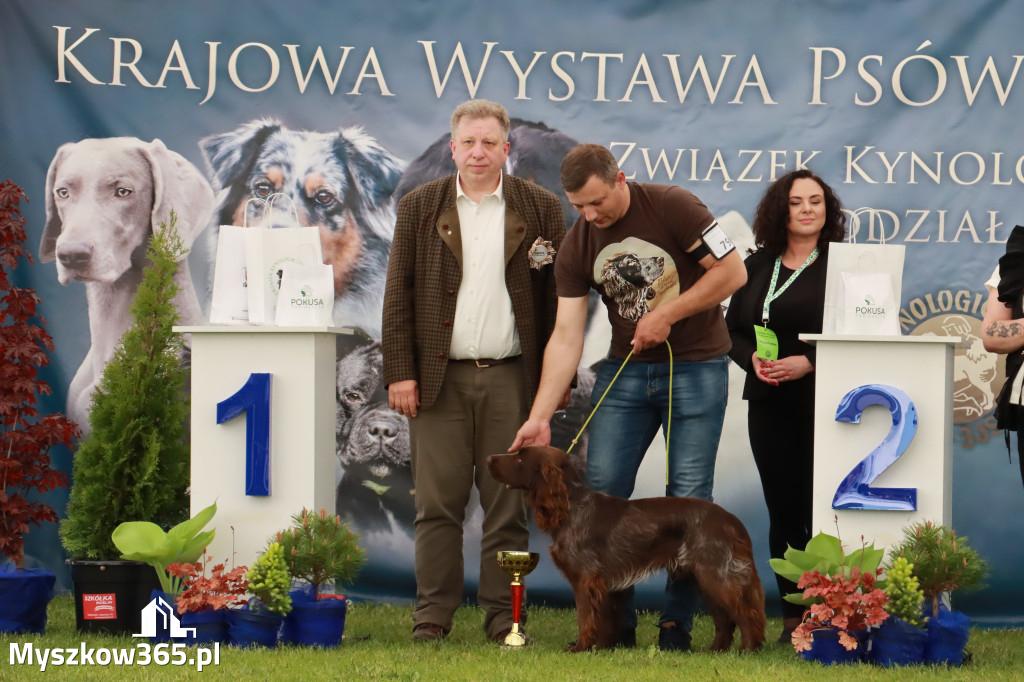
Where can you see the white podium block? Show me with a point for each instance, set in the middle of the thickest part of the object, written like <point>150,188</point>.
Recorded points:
<point>916,460</point>
<point>301,362</point>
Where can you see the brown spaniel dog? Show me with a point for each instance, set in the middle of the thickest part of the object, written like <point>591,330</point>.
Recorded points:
<point>604,544</point>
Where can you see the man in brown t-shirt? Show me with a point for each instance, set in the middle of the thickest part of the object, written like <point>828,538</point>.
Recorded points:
<point>662,266</point>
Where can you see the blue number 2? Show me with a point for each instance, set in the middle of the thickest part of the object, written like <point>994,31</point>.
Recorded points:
<point>254,400</point>
<point>855,492</point>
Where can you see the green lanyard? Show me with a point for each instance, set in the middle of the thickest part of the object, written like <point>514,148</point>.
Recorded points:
<point>772,294</point>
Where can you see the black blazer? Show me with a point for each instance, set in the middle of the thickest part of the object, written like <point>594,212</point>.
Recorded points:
<point>798,311</point>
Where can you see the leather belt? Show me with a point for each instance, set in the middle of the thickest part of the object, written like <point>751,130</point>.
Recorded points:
<point>486,362</point>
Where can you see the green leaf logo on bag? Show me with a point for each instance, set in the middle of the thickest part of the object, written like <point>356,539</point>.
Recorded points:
<point>306,298</point>
<point>869,309</point>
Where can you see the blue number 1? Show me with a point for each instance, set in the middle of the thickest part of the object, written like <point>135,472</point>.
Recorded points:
<point>855,492</point>
<point>254,400</point>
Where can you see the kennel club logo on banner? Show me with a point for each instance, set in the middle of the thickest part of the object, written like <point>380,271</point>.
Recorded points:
<point>977,374</point>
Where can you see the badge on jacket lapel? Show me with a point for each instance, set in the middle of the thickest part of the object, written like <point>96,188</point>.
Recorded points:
<point>541,253</point>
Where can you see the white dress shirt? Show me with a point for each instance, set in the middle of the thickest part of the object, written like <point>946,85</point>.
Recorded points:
<point>484,325</point>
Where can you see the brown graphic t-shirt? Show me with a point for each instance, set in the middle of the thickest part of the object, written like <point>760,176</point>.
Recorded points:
<point>640,262</point>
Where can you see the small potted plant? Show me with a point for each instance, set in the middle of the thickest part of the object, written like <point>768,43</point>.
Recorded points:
<point>205,599</point>
<point>269,582</point>
<point>847,607</point>
<point>149,543</point>
<point>134,463</point>
<point>259,621</point>
<point>842,594</point>
<point>319,550</point>
<point>942,562</point>
<point>901,638</point>
<point>26,437</point>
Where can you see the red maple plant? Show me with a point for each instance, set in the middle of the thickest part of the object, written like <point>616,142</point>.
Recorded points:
<point>25,436</point>
<point>219,590</point>
<point>848,604</point>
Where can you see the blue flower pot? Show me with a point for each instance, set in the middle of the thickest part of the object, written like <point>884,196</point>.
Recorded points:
<point>897,642</point>
<point>24,596</point>
<point>211,625</point>
<point>319,622</point>
<point>250,629</point>
<point>947,636</point>
<point>826,649</point>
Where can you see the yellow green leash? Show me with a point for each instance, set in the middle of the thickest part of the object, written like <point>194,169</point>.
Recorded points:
<point>668,426</point>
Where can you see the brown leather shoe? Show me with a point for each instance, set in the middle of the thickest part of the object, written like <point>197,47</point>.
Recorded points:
<point>428,632</point>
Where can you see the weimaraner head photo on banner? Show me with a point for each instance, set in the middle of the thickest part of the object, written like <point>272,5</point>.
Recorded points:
<point>104,196</point>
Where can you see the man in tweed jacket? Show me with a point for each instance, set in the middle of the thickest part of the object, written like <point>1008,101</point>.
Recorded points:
<point>468,308</point>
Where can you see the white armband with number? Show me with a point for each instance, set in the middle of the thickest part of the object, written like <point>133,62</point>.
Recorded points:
<point>717,241</point>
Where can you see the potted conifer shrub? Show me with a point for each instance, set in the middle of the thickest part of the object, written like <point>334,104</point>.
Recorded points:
<point>259,621</point>
<point>269,582</point>
<point>900,640</point>
<point>319,550</point>
<point>134,465</point>
<point>26,437</point>
<point>942,562</point>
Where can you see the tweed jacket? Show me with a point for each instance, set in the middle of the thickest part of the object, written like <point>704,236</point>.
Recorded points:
<point>425,271</point>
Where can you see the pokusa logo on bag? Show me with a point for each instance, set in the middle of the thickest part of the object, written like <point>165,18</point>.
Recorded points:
<point>870,308</point>
<point>306,297</point>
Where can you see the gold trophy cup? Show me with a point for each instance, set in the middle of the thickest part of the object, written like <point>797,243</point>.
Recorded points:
<point>517,564</point>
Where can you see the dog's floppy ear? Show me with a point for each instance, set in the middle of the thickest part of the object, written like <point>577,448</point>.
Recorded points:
<point>373,170</point>
<point>232,155</point>
<point>48,244</point>
<point>550,498</point>
<point>231,158</point>
<point>178,185</point>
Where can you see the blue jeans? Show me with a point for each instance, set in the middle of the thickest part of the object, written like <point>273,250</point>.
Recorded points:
<point>624,427</point>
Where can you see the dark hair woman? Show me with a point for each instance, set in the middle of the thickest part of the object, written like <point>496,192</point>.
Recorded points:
<point>796,220</point>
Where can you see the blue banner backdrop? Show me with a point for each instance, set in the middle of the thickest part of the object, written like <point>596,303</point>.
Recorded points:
<point>909,109</point>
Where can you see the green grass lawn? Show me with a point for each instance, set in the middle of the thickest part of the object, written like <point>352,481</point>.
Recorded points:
<point>378,646</point>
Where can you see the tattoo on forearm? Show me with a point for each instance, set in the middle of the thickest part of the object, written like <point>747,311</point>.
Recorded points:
<point>1005,330</point>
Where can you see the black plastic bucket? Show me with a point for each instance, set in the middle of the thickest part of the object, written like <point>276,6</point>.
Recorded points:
<point>110,595</point>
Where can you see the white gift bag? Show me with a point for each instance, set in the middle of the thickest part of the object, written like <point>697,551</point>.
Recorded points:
<point>267,251</point>
<point>863,288</point>
<point>229,303</point>
<point>869,305</point>
<point>306,297</point>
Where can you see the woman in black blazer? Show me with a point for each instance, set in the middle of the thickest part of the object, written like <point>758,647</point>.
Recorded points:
<point>796,220</point>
